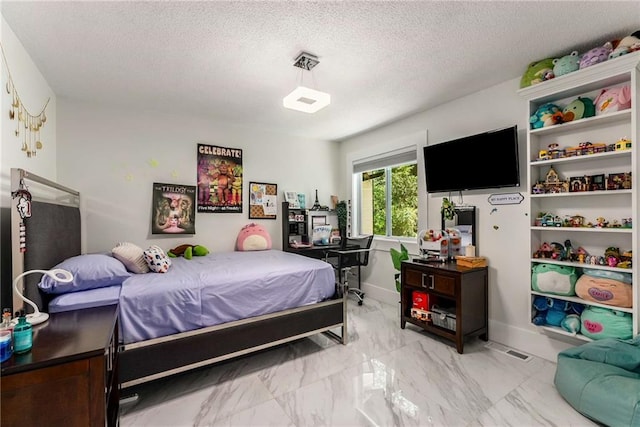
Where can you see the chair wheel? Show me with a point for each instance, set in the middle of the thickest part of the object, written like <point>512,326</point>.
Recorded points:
<point>359,302</point>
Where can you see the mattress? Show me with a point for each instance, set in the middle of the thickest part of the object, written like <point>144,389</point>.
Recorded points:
<point>85,299</point>
<point>220,288</point>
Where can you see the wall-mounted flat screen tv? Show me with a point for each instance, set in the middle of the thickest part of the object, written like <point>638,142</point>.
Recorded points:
<point>485,160</point>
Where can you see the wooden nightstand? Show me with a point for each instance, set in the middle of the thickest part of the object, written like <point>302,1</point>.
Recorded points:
<point>70,376</point>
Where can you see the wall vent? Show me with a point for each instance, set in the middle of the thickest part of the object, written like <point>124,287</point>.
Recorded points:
<point>508,351</point>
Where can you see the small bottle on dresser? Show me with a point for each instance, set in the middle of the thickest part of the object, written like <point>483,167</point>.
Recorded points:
<point>22,335</point>
<point>6,335</point>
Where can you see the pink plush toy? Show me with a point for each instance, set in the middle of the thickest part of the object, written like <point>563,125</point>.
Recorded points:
<point>613,99</point>
<point>253,237</point>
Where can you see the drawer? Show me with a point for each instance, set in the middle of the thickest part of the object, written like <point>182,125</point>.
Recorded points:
<point>433,282</point>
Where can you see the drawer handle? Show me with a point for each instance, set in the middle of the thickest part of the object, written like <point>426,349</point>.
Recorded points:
<point>431,281</point>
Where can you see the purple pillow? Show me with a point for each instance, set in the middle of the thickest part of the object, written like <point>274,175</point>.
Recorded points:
<point>89,271</point>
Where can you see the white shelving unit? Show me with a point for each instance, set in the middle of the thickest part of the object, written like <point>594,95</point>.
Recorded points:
<point>610,204</point>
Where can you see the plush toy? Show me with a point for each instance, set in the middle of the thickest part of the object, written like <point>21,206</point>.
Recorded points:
<point>613,99</point>
<point>554,279</point>
<point>579,108</point>
<point>566,64</point>
<point>605,287</point>
<point>253,237</point>
<point>188,251</point>
<point>627,45</point>
<point>537,72</point>
<point>599,323</point>
<point>596,55</point>
<point>555,312</point>
<point>546,115</point>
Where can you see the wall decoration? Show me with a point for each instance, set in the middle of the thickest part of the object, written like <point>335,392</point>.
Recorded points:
<point>219,179</point>
<point>262,200</point>
<point>27,124</point>
<point>173,209</point>
<point>292,198</point>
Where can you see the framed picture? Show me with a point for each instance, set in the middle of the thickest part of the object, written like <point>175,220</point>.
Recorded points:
<point>292,198</point>
<point>318,220</point>
<point>174,209</point>
<point>262,200</point>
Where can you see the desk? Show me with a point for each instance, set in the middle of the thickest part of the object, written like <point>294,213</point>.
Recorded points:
<point>318,252</point>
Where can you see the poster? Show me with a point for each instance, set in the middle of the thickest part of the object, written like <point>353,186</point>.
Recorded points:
<point>173,209</point>
<point>262,200</point>
<point>219,179</point>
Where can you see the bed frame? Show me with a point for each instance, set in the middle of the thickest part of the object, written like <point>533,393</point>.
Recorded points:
<point>54,234</point>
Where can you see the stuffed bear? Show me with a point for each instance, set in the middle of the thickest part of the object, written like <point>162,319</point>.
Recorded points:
<point>613,99</point>
<point>537,72</point>
<point>579,108</point>
<point>627,45</point>
<point>253,237</point>
<point>546,115</point>
<point>596,55</point>
<point>566,64</point>
<point>188,251</point>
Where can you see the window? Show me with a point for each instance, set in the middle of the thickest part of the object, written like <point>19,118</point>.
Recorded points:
<point>387,194</point>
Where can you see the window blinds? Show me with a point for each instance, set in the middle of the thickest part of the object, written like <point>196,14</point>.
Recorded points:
<point>391,158</point>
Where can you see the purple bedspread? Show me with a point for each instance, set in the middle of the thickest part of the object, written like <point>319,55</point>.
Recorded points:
<point>219,288</point>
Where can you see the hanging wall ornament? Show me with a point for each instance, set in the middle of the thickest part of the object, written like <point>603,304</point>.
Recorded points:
<point>26,123</point>
<point>24,210</point>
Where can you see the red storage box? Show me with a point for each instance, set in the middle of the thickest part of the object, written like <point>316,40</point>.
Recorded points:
<point>421,300</point>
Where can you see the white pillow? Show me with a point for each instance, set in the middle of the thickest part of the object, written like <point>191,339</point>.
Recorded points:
<point>131,256</point>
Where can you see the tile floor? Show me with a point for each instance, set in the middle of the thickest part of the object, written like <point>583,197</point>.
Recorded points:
<point>385,376</point>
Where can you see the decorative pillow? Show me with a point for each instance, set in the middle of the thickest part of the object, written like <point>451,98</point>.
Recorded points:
<point>89,271</point>
<point>131,256</point>
<point>156,259</point>
<point>253,237</point>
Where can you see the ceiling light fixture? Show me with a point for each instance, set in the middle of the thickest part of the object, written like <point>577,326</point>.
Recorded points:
<point>303,98</point>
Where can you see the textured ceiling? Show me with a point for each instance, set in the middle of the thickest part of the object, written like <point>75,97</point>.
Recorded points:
<point>232,61</point>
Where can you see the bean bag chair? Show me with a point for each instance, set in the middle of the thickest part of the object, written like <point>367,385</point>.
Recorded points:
<point>601,380</point>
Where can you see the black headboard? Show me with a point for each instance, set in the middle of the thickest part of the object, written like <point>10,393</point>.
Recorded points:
<point>52,232</point>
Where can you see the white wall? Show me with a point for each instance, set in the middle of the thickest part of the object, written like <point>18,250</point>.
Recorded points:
<point>114,155</point>
<point>502,232</point>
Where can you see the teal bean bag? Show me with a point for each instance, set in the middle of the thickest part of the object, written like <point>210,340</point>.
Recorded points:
<point>601,380</point>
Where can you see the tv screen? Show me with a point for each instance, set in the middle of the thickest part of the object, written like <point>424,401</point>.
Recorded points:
<point>485,160</point>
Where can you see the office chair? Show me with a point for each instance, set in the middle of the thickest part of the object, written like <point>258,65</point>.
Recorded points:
<point>354,252</point>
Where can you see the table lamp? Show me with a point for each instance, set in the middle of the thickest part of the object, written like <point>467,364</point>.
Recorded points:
<point>56,274</point>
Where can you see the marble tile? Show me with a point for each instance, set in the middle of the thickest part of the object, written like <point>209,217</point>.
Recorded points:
<point>385,376</point>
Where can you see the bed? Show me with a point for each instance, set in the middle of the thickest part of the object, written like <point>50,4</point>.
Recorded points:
<point>202,311</point>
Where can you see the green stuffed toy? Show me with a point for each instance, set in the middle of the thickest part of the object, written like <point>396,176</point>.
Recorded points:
<point>188,251</point>
<point>537,72</point>
<point>579,108</point>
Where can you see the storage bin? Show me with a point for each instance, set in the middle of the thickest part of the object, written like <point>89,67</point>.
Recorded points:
<point>444,317</point>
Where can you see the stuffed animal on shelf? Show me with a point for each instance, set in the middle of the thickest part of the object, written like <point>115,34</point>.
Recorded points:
<point>627,45</point>
<point>253,237</point>
<point>579,108</point>
<point>599,323</point>
<point>187,251</point>
<point>567,64</point>
<point>547,114</point>
<point>596,55</point>
<point>556,312</point>
<point>537,72</point>
<point>554,279</point>
<point>613,99</point>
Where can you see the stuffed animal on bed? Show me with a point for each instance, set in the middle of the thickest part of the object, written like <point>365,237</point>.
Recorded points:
<point>253,237</point>
<point>187,251</point>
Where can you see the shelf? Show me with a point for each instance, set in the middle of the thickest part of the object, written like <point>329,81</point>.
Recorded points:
<point>604,119</point>
<point>583,194</point>
<point>622,230</point>
<point>579,300</point>
<point>430,327</point>
<point>580,265</point>
<point>560,331</point>
<point>582,158</point>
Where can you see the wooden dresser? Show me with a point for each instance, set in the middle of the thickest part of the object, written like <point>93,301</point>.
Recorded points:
<point>460,290</point>
<point>70,376</point>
